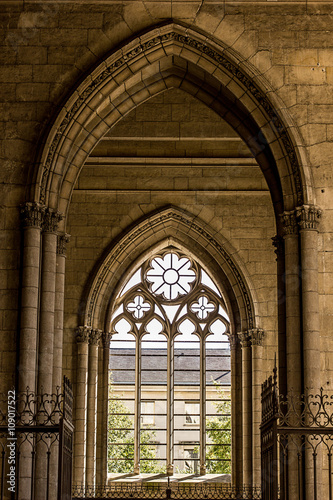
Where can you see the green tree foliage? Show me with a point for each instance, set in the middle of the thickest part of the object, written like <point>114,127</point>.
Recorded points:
<point>121,456</point>
<point>218,431</point>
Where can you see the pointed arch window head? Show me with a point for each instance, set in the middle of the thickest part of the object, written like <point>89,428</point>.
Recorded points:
<point>170,329</point>
<point>171,287</point>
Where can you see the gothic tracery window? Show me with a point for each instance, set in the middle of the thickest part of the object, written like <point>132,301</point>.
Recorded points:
<point>170,370</point>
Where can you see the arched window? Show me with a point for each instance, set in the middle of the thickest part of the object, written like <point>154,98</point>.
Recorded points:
<point>169,387</point>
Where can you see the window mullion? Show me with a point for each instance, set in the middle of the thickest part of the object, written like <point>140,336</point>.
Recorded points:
<point>170,406</point>
<point>137,410</point>
<point>202,406</point>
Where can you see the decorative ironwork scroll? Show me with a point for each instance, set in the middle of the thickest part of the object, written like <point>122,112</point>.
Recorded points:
<point>167,490</point>
<point>35,425</point>
<point>296,444</point>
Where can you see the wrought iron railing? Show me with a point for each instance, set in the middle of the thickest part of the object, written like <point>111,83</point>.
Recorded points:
<point>296,444</point>
<point>167,490</point>
<point>36,428</point>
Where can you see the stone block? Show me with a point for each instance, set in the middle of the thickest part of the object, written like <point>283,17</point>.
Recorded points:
<point>82,19</point>
<point>32,91</point>
<point>306,75</point>
<point>19,73</point>
<point>32,55</point>
<point>63,37</point>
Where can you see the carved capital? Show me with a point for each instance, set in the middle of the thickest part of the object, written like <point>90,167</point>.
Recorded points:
<point>94,336</point>
<point>31,215</point>
<point>106,339</point>
<point>308,217</point>
<point>245,339</point>
<point>51,220</point>
<point>257,336</point>
<point>277,242</point>
<point>62,241</point>
<point>82,334</point>
<point>289,223</point>
<point>234,342</point>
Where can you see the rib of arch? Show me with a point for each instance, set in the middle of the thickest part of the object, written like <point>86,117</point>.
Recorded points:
<point>166,57</point>
<point>168,227</point>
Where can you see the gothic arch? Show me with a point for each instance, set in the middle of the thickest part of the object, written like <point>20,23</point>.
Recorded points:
<point>166,57</point>
<point>171,226</point>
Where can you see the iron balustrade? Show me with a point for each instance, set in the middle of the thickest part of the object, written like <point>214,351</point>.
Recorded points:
<point>38,426</point>
<point>296,444</point>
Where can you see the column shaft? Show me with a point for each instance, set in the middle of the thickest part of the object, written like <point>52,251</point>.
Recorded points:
<point>92,406</point>
<point>47,301</point>
<point>278,242</point>
<point>293,317</point>
<point>102,464</point>
<point>247,408</point>
<point>79,470</point>
<point>256,339</point>
<point>31,215</point>
<point>59,310</point>
<point>308,219</point>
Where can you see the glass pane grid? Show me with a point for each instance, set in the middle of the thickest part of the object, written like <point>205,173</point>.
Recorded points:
<point>171,276</point>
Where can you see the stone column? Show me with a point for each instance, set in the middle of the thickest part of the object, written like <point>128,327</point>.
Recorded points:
<point>293,318</point>
<point>57,348</point>
<point>278,242</point>
<point>47,300</point>
<point>79,470</point>
<point>59,310</point>
<point>236,411</point>
<point>102,410</point>
<point>31,218</point>
<point>94,337</point>
<point>257,336</point>
<point>308,220</point>
<point>245,340</point>
<point>293,335</point>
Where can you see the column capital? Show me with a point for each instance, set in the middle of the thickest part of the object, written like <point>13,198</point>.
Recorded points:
<point>94,336</point>
<point>31,214</point>
<point>308,217</point>
<point>106,339</point>
<point>245,339</point>
<point>251,337</point>
<point>62,241</point>
<point>82,334</point>
<point>289,223</point>
<point>51,220</point>
<point>233,341</point>
<point>257,336</point>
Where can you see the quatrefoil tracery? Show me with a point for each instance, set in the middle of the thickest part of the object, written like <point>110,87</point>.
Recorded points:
<point>171,281</point>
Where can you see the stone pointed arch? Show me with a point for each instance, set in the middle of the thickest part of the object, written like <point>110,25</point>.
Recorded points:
<point>174,56</point>
<point>166,227</point>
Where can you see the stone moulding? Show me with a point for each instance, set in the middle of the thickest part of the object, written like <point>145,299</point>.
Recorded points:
<point>176,35</point>
<point>137,233</point>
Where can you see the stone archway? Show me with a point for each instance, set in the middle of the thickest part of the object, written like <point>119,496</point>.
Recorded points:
<point>156,232</point>
<point>166,57</point>
<point>173,56</point>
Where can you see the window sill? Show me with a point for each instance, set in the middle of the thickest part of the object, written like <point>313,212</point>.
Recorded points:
<point>162,478</point>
